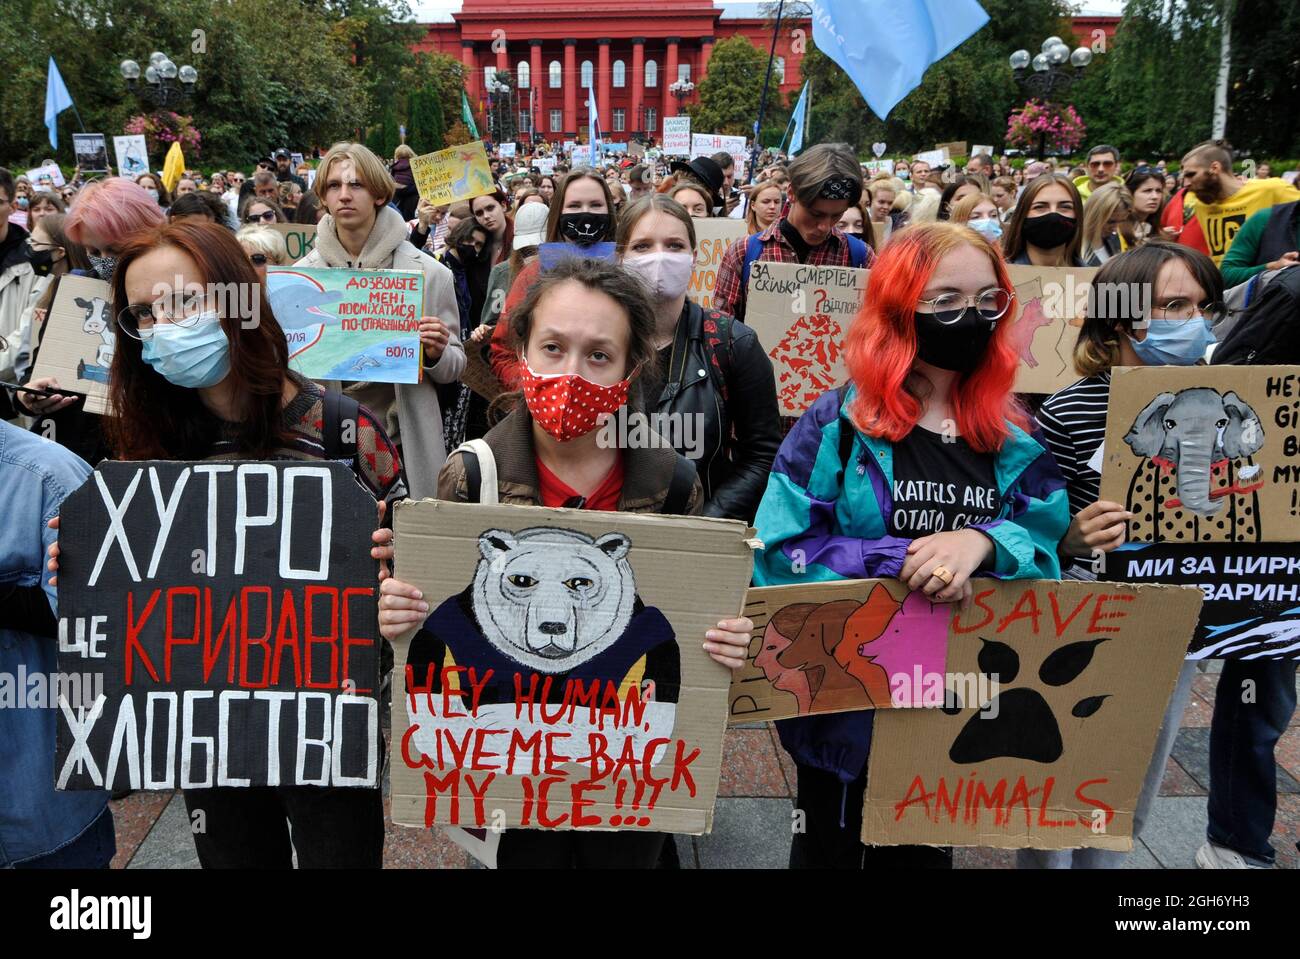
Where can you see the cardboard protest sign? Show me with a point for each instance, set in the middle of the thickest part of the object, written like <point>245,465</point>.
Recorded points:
<point>1049,309</point>
<point>91,151</point>
<point>712,237</point>
<point>79,339</point>
<point>505,149</point>
<point>225,613</point>
<point>560,681</point>
<point>50,173</point>
<point>132,155</point>
<point>544,165</point>
<point>801,315</point>
<point>979,150</point>
<point>1055,757</point>
<point>677,136</point>
<point>636,149</point>
<point>1251,590</point>
<point>349,325</point>
<point>456,173</point>
<point>834,647</point>
<point>707,144</point>
<point>299,238</point>
<point>1205,453</point>
<point>955,149</point>
<point>477,374</point>
<point>881,232</point>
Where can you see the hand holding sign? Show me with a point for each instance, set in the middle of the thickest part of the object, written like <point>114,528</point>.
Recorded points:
<point>433,337</point>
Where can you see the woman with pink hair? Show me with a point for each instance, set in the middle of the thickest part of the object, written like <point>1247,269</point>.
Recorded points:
<point>106,213</point>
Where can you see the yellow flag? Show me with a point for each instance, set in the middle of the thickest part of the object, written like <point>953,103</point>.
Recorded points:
<point>173,166</point>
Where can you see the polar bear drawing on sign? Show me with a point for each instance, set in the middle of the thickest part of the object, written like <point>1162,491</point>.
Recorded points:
<point>557,612</point>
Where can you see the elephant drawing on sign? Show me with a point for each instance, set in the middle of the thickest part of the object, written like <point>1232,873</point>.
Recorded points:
<point>1198,446</point>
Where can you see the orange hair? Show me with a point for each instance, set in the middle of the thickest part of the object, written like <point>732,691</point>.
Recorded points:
<point>881,345</point>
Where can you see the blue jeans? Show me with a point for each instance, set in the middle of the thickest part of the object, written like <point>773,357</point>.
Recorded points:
<point>1243,772</point>
<point>93,849</point>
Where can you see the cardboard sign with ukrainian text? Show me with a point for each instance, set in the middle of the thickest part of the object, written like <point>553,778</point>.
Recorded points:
<point>299,238</point>
<point>1048,311</point>
<point>79,340</point>
<point>1058,690</point>
<point>456,173</point>
<point>712,237</point>
<point>836,647</point>
<point>350,325</point>
<point>801,314</point>
<point>560,680</point>
<point>1251,590</point>
<point>1205,453</point>
<point>221,621</point>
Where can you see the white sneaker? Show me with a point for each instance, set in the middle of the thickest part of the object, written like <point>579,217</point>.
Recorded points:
<point>1210,856</point>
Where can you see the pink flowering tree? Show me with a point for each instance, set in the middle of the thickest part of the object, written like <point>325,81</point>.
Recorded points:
<point>163,128</point>
<point>1043,126</point>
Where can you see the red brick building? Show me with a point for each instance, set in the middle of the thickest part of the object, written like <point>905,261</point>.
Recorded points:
<point>631,52</point>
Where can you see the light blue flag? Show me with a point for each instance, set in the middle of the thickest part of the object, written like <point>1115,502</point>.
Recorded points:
<point>906,38</point>
<point>593,125</point>
<point>57,99</point>
<point>798,119</point>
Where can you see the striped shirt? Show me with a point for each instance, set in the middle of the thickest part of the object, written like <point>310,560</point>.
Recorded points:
<point>1074,424</point>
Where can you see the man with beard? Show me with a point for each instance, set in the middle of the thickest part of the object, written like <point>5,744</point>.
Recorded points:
<point>1224,203</point>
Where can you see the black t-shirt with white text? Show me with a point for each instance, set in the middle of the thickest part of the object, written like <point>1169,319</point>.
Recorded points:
<point>941,485</point>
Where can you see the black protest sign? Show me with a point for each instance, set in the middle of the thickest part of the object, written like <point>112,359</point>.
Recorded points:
<point>1252,593</point>
<point>226,614</point>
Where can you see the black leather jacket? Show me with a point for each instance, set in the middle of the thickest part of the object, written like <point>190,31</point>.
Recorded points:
<point>733,439</point>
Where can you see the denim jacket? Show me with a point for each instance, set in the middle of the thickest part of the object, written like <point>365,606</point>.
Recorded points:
<point>35,820</point>
<point>834,522</point>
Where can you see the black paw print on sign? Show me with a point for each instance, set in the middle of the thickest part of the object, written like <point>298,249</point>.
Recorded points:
<point>1023,726</point>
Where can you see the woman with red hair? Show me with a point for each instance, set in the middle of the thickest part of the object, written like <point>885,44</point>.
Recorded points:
<point>923,467</point>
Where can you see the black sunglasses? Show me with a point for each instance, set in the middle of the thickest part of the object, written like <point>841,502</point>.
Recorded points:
<point>257,259</point>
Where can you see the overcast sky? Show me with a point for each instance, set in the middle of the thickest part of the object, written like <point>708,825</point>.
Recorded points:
<point>423,8</point>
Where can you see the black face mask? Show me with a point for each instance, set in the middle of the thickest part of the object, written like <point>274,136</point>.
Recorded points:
<point>959,346</point>
<point>42,262</point>
<point>584,229</point>
<point>1050,230</point>
<point>468,255</point>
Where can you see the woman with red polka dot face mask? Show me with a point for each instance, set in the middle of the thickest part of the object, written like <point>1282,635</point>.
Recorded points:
<point>585,335</point>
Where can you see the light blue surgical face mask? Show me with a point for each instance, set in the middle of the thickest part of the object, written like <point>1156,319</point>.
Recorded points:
<point>193,357</point>
<point>990,228</point>
<point>1175,342</point>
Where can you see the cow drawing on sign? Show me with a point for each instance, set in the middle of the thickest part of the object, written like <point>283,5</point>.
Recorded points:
<point>96,323</point>
<point>553,615</point>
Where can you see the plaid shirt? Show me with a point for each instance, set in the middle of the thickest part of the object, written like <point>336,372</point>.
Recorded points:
<point>728,290</point>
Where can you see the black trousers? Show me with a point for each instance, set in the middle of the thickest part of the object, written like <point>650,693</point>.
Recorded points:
<point>261,827</point>
<point>541,849</point>
<point>831,838</point>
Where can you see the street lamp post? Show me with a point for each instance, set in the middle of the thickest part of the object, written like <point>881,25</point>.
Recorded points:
<point>1054,71</point>
<point>681,89</point>
<point>165,84</point>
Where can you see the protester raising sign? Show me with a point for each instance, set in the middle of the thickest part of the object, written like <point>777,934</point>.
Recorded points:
<point>801,314</point>
<point>712,237</point>
<point>77,345</point>
<point>456,173</point>
<point>223,617</point>
<point>1054,757</point>
<point>559,681</point>
<point>350,325</point>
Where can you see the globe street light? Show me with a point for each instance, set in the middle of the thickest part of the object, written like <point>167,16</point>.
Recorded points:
<point>681,90</point>
<point>164,85</point>
<point>1049,74</point>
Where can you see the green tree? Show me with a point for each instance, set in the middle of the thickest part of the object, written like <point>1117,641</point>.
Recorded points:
<point>729,95</point>
<point>425,123</point>
<point>383,137</point>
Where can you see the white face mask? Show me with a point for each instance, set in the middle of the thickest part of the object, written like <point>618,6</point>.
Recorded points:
<point>666,275</point>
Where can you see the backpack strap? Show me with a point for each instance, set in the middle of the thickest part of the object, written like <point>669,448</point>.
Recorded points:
<point>719,346</point>
<point>480,471</point>
<point>338,409</point>
<point>680,487</point>
<point>857,252</point>
<point>846,436</point>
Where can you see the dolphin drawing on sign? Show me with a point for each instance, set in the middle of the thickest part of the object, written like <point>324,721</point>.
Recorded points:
<point>363,363</point>
<point>297,307</point>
